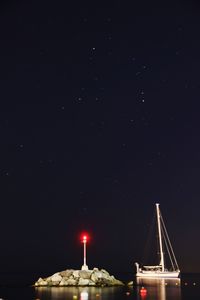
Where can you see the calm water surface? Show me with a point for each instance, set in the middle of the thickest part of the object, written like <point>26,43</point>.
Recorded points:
<point>186,288</point>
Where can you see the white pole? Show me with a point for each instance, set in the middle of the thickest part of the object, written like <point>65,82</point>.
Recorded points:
<point>84,253</point>
<point>160,238</point>
<point>84,266</point>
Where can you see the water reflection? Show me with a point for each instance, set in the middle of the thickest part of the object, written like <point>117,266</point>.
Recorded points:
<point>143,289</point>
<point>84,295</point>
<point>76,293</point>
<point>158,288</point>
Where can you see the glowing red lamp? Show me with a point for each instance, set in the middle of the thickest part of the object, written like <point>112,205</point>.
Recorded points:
<point>84,237</point>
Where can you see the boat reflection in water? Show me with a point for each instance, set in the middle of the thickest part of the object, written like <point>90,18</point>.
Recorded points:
<point>158,288</point>
<point>76,293</point>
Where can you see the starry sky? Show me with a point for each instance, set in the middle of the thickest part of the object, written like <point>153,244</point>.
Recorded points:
<point>99,120</point>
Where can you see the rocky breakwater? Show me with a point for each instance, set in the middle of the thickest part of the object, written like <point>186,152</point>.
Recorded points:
<point>70,277</point>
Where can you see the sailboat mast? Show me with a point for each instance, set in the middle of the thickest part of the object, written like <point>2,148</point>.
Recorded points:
<point>160,238</point>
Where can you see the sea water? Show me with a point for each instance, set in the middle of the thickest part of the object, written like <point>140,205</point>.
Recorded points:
<point>186,288</point>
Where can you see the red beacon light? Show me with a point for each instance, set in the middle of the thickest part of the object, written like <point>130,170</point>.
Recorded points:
<point>84,238</point>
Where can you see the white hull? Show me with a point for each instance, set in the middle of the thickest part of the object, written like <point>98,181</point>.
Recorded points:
<point>158,274</point>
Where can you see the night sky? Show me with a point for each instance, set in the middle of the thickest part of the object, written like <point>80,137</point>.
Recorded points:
<point>99,120</point>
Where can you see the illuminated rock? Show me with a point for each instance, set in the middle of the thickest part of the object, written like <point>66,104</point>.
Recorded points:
<point>105,272</point>
<point>96,276</point>
<point>56,277</point>
<point>71,277</point>
<point>76,274</point>
<point>63,282</point>
<point>92,283</point>
<point>83,282</point>
<point>41,282</point>
<point>72,282</point>
<point>85,274</point>
<point>67,273</point>
<point>95,269</point>
<point>103,278</point>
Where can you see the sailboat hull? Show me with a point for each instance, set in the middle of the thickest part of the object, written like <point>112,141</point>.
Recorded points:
<point>158,274</point>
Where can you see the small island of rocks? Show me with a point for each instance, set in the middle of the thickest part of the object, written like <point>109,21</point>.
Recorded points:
<point>72,277</point>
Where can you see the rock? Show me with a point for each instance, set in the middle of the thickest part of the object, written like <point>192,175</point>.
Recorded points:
<point>63,282</point>
<point>43,283</point>
<point>80,278</point>
<point>66,273</point>
<point>96,276</point>
<point>85,274</point>
<point>105,272</point>
<point>72,282</point>
<point>91,283</point>
<point>76,274</point>
<point>107,276</point>
<point>83,282</point>
<point>117,282</point>
<point>103,279</point>
<point>48,279</point>
<point>56,277</point>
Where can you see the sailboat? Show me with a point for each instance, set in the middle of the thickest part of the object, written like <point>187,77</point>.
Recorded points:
<point>160,269</point>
